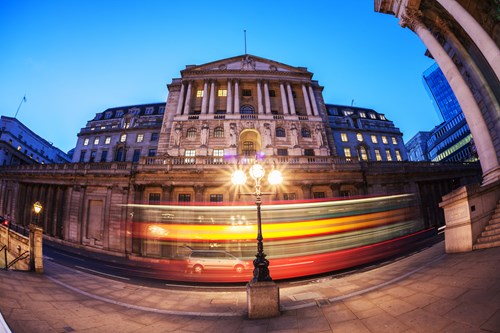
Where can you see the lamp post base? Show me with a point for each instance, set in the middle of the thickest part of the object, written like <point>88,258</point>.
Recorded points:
<point>263,300</point>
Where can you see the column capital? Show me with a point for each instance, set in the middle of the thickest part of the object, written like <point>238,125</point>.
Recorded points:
<point>412,18</point>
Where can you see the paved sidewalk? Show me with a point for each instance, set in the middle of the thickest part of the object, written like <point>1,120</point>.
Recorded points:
<point>427,292</point>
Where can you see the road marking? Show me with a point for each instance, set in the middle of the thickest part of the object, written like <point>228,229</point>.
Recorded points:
<point>101,273</point>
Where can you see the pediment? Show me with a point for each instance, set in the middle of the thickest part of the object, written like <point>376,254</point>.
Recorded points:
<point>246,62</point>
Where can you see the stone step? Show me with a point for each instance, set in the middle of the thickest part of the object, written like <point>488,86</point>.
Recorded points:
<point>488,239</point>
<point>492,226</point>
<point>491,232</point>
<point>486,245</point>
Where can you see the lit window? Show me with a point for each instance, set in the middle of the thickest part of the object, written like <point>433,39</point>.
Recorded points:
<point>374,139</point>
<point>96,140</point>
<point>140,138</point>
<point>398,155</point>
<point>347,152</point>
<point>219,132</point>
<point>103,127</point>
<point>222,92</point>
<point>373,116</point>
<point>189,154</point>
<point>280,132</point>
<point>149,110</point>
<point>218,155</point>
<point>364,155</point>
<point>343,137</point>
<point>362,114</point>
<point>382,117</point>
<point>199,93</point>
<point>377,155</point>
<point>155,136</point>
<point>388,154</point>
<point>384,139</point>
<point>107,141</point>
<point>85,142</point>
<point>191,133</point>
<point>347,113</point>
<point>123,138</point>
<point>359,136</point>
<point>216,197</point>
<point>394,141</point>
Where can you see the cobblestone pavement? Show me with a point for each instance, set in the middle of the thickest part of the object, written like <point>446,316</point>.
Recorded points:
<point>429,291</point>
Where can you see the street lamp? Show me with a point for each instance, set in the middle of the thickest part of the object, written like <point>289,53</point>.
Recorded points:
<point>257,172</point>
<point>37,208</point>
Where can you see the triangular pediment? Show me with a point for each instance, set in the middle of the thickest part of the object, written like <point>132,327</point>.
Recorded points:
<point>246,62</point>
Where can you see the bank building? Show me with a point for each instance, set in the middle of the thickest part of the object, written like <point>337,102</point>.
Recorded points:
<point>218,117</point>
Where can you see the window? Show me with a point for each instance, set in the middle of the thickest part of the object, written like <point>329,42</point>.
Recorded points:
<point>119,113</point>
<point>247,109</point>
<point>359,136</point>
<point>347,113</point>
<point>373,116</point>
<point>184,197</point>
<point>219,132</point>
<point>222,92</point>
<point>246,92</point>
<point>398,155</point>
<point>308,152</point>
<point>123,137</point>
<point>216,197</point>
<point>152,152</point>
<point>190,156</point>
<point>93,154</point>
<point>377,155</point>
<point>343,137</point>
<point>388,154</point>
<point>318,195</point>
<point>384,139</point>
<point>86,142</point>
<point>374,139</point>
<point>199,93</point>
<point>126,123</point>
<point>82,156</point>
<point>382,117</point>
<point>289,196</point>
<point>272,93</point>
<point>282,152</point>
<point>119,155</point>
<point>191,133</point>
<point>107,115</point>
<point>394,141</point>
<point>294,94</point>
<point>347,152</point>
<point>149,110</point>
<point>137,155</point>
<point>218,155</point>
<point>305,132</point>
<point>363,154</point>
<point>96,140</point>
<point>161,110</point>
<point>104,156</point>
<point>280,132</point>
<point>248,148</point>
<point>154,198</point>
<point>155,136</point>
<point>140,138</point>
<point>362,114</point>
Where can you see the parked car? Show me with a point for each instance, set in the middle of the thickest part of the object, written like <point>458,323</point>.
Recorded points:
<point>201,260</point>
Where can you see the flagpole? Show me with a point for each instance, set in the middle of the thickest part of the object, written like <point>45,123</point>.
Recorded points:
<point>245,40</point>
<point>22,100</point>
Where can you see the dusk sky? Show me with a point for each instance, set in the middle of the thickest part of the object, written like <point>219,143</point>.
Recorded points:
<point>75,58</point>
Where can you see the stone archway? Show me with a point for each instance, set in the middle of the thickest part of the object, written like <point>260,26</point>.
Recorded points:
<point>250,143</point>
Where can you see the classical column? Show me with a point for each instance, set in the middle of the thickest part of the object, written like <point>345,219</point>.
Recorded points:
<point>485,148</point>
<point>236,96</point>
<point>283,98</point>
<point>488,47</point>
<point>181,100</point>
<point>266,98</point>
<point>204,98</point>
<point>188,99</point>
<point>260,108</point>
<point>211,106</point>
<point>306,99</point>
<point>312,98</point>
<point>290,98</point>
<point>229,98</point>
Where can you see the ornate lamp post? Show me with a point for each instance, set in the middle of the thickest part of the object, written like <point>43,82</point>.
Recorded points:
<point>37,208</point>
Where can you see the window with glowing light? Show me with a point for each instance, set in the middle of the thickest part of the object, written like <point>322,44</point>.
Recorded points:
<point>219,132</point>
<point>199,93</point>
<point>343,137</point>
<point>222,92</point>
<point>388,155</point>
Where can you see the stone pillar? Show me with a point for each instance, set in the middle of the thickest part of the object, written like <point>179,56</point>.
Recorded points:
<point>266,98</point>
<point>188,98</point>
<point>236,96</point>
<point>166,193</point>
<point>198,193</point>
<point>306,99</point>
<point>36,252</point>
<point>291,102</point>
<point>485,148</point>
<point>260,107</point>
<point>229,98</point>
<point>204,98</point>
<point>181,100</point>
<point>263,300</point>
<point>283,98</point>
<point>306,191</point>
<point>488,47</point>
<point>312,98</point>
<point>211,104</point>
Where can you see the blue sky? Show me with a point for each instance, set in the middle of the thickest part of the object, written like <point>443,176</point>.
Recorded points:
<point>75,58</point>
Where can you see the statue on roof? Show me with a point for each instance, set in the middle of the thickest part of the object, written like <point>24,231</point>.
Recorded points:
<point>247,63</point>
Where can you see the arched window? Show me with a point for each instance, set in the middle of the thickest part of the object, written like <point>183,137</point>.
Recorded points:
<point>219,132</point>
<point>191,133</point>
<point>305,132</point>
<point>359,136</point>
<point>280,132</point>
<point>247,109</point>
<point>248,148</point>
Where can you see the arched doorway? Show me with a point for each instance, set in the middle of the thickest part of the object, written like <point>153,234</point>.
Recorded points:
<point>250,143</point>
